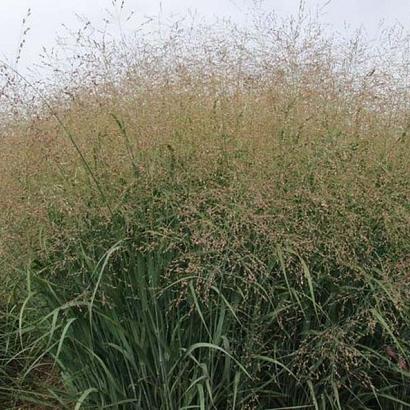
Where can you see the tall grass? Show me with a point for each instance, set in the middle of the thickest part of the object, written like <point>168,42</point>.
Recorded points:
<point>233,235</point>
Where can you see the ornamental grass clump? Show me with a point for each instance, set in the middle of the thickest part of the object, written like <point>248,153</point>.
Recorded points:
<point>208,217</point>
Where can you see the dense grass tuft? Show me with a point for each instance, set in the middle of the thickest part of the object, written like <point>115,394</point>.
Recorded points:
<point>217,218</point>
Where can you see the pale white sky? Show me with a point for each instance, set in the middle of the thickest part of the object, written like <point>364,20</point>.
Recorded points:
<point>47,16</point>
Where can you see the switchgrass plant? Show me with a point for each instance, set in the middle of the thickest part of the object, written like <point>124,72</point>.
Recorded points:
<point>157,321</point>
<point>208,217</point>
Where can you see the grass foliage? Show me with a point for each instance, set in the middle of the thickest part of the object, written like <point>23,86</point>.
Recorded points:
<point>211,217</point>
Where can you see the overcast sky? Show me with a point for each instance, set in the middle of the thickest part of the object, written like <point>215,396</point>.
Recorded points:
<point>47,16</point>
